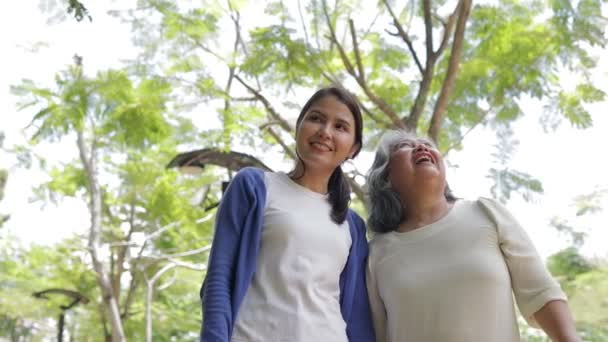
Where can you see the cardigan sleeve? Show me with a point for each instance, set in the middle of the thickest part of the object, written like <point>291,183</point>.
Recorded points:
<point>217,293</point>
<point>359,326</point>
<point>533,285</point>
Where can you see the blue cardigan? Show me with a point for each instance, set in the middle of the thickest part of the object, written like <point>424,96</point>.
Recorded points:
<point>232,261</point>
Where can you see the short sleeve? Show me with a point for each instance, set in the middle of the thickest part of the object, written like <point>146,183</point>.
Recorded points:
<point>533,285</point>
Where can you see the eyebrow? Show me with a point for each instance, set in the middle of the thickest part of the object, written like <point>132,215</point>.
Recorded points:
<point>341,120</point>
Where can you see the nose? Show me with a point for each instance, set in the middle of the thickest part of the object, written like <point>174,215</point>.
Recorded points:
<point>421,147</point>
<point>324,131</point>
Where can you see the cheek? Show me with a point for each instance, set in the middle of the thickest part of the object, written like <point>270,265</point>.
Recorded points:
<point>398,160</point>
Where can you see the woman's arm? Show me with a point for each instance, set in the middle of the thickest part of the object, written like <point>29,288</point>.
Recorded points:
<point>236,211</point>
<point>376,305</point>
<point>555,319</point>
<point>359,326</point>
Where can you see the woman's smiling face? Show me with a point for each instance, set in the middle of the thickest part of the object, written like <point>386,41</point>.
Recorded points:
<point>414,160</point>
<point>325,136</point>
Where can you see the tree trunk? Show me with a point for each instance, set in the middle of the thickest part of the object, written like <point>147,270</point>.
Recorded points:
<point>109,299</point>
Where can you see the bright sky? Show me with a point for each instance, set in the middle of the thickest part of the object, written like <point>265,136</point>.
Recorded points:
<point>569,162</point>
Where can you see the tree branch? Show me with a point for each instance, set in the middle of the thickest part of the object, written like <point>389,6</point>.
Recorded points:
<point>353,34</point>
<point>447,29</point>
<point>404,36</point>
<point>345,60</point>
<point>122,251</point>
<point>428,28</point>
<point>411,122</point>
<point>278,139</point>
<point>95,207</point>
<point>384,107</point>
<point>454,62</point>
<point>482,118</point>
<point>273,113</point>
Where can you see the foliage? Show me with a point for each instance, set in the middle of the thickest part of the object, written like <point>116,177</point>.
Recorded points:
<point>568,264</point>
<point>243,79</point>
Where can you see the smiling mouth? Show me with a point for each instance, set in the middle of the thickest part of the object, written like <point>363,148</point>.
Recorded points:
<point>321,146</point>
<point>424,158</point>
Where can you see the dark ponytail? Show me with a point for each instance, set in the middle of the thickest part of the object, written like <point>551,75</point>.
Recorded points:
<point>338,196</point>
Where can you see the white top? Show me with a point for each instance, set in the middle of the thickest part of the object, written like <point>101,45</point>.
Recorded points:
<point>454,280</point>
<point>295,291</point>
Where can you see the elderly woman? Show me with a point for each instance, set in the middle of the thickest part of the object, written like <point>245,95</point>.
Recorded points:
<point>442,269</point>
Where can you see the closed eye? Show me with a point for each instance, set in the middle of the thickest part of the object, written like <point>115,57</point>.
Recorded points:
<point>405,144</point>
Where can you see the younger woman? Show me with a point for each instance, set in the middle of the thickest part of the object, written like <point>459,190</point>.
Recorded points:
<point>288,257</point>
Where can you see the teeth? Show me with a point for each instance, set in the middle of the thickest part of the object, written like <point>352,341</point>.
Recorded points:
<point>423,159</point>
<point>321,146</point>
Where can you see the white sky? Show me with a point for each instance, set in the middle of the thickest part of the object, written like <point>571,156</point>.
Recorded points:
<point>569,162</point>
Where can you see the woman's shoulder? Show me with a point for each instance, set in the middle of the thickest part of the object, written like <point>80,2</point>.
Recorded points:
<point>249,174</point>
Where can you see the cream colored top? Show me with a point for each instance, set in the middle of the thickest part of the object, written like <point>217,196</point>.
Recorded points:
<point>295,291</point>
<point>455,280</point>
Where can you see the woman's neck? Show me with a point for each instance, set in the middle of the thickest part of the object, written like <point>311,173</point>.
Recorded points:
<point>422,210</point>
<point>315,180</point>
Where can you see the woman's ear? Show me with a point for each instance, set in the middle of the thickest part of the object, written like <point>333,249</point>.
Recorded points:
<point>356,147</point>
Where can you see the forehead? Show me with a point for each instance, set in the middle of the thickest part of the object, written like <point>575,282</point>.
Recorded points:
<point>331,107</point>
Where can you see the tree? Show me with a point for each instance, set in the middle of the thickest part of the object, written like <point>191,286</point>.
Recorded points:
<point>122,137</point>
<point>59,9</point>
<point>434,67</point>
<point>440,68</point>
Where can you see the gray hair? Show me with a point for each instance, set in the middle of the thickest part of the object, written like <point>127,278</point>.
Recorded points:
<point>385,206</point>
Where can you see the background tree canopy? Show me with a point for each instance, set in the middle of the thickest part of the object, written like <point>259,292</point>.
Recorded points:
<point>242,69</point>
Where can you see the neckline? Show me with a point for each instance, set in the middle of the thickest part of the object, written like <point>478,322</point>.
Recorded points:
<point>290,182</point>
<point>429,230</point>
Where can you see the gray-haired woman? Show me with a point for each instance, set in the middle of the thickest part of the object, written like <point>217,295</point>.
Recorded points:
<point>442,269</point>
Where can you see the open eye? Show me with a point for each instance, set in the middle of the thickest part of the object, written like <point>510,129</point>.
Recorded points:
<point>342,127</point>
<point>314,117</point>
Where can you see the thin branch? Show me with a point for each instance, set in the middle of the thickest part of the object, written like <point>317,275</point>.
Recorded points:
<point>303,23</point>
<point>369,28</point>
<point>353,34</point>
<point>122,252</point>
<point>211,52</point>
<point>150,289</point>
<point>452,72</point>
<point>439,18</point>
<point>411,121</point>
<point>345,60</point>
<point>404,36</point>
<point>180,254</point>
<point>428,29</point>
<point>482,119</point>
<point>168,283</point>
<point>357,189</point>
<point>276,137</point>
<point>384,107</point>
<point>447,30</point>
<point>244,99</point>
<point>133,284</point>
<point>273,113</point>
<point>373,116</point>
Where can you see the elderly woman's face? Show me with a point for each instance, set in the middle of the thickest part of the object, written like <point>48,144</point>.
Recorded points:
<point>415,160</point>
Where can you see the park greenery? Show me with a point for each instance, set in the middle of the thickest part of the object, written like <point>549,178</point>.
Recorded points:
<point>439,68</point>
